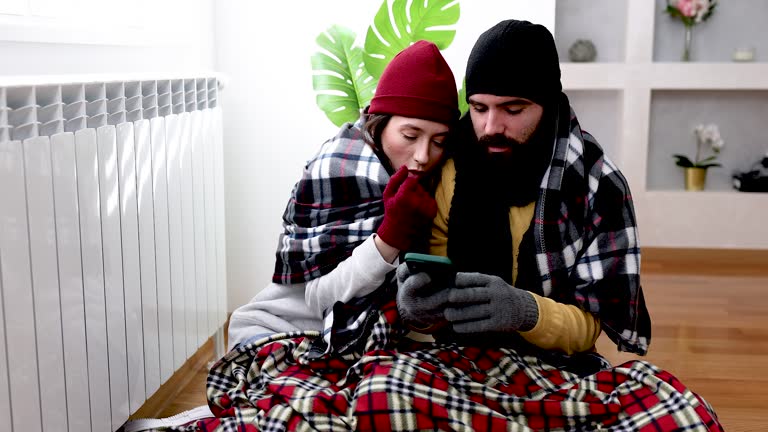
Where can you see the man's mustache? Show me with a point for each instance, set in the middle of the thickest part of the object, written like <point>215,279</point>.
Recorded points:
<point>498,140</point>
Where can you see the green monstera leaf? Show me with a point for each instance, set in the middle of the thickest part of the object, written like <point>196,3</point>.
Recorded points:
<point>342,84</point>
<point>395,29</point>
<point>463,105</point>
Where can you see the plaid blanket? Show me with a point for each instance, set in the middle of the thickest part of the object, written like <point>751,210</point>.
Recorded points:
<point>384,382</point>
<point>335,206</point>
<point>586,236</point>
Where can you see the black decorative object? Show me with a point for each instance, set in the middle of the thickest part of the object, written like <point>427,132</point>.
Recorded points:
<point>754,180</point>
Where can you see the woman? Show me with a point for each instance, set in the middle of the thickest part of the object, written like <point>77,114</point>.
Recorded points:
<point>361,200</point>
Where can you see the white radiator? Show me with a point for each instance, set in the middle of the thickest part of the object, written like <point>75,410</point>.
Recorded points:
<point>112,266</point>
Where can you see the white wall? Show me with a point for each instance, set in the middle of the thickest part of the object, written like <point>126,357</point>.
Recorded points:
<point>44,37</point>
<point>271,123</point>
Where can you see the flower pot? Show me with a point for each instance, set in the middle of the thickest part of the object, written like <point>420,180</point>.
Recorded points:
<point>695,178</point>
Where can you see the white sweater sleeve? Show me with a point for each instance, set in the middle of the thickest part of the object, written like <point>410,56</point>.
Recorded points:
<point>360,274</point>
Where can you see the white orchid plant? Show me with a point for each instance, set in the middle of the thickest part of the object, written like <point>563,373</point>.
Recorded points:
<point>691,12</point>
<point>707,136</point>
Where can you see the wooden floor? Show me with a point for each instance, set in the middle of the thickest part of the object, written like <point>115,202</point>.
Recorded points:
<point>710,328</point>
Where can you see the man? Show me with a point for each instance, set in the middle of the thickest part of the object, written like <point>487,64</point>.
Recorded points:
<point>537,220</point>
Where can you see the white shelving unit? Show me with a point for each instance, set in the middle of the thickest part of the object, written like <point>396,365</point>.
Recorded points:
<point>667,218</point>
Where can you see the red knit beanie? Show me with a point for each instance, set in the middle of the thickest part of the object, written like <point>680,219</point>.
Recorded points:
<point>417,83</point>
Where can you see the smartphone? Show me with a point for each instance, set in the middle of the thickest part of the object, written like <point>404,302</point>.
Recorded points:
<point>439,268</point>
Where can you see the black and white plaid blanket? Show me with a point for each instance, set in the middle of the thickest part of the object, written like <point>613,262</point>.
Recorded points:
<point>586,236</point>
<point>335,206</point>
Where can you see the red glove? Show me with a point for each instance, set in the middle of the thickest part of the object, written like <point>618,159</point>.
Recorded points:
<point>408,210</point>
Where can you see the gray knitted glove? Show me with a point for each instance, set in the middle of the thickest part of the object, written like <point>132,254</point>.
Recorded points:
<point>420,305</point>
<point>485,303</point>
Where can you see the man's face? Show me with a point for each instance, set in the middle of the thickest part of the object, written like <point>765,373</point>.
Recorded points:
<point>500,122</point>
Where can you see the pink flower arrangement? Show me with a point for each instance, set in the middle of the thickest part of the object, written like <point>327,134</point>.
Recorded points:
<point>691,12</point>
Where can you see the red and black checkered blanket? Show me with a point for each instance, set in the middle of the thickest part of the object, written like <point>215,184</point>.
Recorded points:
<point>385,382</point>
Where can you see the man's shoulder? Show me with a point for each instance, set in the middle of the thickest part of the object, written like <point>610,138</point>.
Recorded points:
<point>592,148</point>
<point>593,156</point>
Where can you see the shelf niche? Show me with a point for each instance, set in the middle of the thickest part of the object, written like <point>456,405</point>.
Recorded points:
<point>740,115</point>
<point>599,113</point>
<point>734,24</point>
<point>577,19</point>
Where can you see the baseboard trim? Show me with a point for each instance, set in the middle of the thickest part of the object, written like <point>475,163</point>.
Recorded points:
<point>156,404</point>
<point>730,262</point>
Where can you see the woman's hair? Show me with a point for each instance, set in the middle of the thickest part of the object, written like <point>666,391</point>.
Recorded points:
<point>372,129</point>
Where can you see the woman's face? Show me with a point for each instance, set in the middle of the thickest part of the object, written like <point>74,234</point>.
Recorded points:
<point>415,143</point>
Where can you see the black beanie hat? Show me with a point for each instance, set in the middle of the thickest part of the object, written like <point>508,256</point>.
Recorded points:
<point>515,58</point>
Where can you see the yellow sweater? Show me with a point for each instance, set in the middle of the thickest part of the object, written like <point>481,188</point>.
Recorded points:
<point>560,327</point>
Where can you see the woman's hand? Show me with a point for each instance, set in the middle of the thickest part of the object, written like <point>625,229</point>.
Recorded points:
<point>408,210</point>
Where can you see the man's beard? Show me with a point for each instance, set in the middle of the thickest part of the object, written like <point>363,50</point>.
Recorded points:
<point>505,161</point>
<point>515,174</point>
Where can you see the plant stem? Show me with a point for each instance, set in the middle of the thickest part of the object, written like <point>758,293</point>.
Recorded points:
<point>687,45</point>
<point>698,151</point>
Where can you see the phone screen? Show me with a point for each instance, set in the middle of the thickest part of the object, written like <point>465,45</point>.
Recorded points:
<point>440,269</point>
